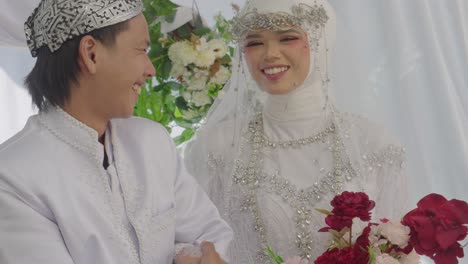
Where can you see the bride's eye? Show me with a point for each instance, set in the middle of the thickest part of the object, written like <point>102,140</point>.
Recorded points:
<point>287,39</point>
<point>253,44</point>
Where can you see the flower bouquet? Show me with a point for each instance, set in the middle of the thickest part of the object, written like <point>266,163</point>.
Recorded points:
<point>434,229</point>
<point>192,62</point>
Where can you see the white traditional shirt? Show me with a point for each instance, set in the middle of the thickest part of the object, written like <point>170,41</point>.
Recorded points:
<point>59,205</point>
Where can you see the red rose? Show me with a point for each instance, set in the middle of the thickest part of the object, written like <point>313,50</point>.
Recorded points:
<point>347,206</point>
<point>363,240</point>
<point>337,222</point>
<point>348,255</point>
<point>436,226</point>
<point>450,255</point>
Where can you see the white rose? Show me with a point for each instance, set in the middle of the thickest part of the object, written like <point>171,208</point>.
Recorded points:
<point>218,47</point>
<point>396,233</point>
<point>202,44</point>
<point>411,258</point>
<point>190,114</point>
<point>177,70</point>
<point>187,96</point>
<point>200,98</point>
<point>197,84</point>
<point>182,53</point>
<point>386,259</point>
<point>221,76</point>
<point>205,58</point>
<point>200,73</point>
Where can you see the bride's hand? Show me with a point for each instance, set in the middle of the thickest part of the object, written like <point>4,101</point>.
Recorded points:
<point>209,254</point>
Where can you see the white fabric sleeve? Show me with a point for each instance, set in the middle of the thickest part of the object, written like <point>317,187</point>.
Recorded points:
<point>387,182</point>
<point>26,236</point>
<point>392,200</point>
<point>197,219</point>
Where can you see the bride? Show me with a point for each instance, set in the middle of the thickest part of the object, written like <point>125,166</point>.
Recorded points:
<point>275,147</point>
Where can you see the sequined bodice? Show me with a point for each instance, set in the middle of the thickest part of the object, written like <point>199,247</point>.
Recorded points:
<point>254,174</point>
<point>269,192</point>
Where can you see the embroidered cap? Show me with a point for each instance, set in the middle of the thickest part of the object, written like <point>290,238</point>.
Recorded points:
<point>54,22</point>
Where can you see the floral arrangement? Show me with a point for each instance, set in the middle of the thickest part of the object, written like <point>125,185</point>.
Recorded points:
<point>192,62</point>
<point>202,67</point>
<point>433,229</point>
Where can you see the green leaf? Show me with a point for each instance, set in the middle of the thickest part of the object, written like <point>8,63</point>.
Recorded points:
<point>166,69</point>
<point>181,103</point>
<point>372,255</point>
<point>169,103</point>
<point>170,17</point>
<point>225,60</point>
<point>177,113</point>
<point>201,31</point>
<point>184,123</point>
<point>214,89</point>
<point>174,86</point>
<point>186,135</point>
<point>277,259</point>
<point>325,212</point>
<point>163,7</point>
<point>157,50</point>
<point>158,88</point>
<point>184,31</point>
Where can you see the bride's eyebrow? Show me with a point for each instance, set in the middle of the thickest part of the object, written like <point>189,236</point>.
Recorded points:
<point>251,36</point>
<point>288,31</point>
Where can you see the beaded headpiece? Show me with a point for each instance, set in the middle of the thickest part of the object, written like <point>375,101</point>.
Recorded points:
<point>54,22</point>
<point>300,15</point>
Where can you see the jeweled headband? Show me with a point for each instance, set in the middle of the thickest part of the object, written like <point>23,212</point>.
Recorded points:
<point>54,22</point>
<point>301,15</point>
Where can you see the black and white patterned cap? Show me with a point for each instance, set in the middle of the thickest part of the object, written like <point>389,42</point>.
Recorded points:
<point>54,22</point>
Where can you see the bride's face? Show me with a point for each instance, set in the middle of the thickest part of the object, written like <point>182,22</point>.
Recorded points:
<point>278,61</point>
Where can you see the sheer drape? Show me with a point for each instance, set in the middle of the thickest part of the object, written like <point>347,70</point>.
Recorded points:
<point>407,61</point>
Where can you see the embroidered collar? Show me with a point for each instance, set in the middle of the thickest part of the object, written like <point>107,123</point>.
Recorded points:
<point>72,131</point>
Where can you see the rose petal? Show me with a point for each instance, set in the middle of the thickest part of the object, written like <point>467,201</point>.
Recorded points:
<point>432,200</point>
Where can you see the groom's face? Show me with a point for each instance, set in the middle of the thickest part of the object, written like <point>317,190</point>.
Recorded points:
<point>123,69</point>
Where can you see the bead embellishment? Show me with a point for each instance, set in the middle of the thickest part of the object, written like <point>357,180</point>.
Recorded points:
<point>252,177</point>
<point>300,15</point>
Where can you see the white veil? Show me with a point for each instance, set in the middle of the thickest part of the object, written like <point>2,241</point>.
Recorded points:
<point>368,157</point>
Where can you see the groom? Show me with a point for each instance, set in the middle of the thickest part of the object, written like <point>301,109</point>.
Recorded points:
<point>84,182</point>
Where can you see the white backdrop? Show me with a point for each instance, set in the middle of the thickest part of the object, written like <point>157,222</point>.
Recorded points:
<point>404,63</point>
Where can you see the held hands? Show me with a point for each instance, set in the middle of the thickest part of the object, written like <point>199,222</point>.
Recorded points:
<point>209,256</point>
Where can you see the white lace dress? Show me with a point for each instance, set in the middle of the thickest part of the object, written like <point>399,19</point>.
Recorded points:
<point>286,168</point>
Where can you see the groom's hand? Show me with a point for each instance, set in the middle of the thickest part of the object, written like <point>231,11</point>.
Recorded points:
<point>209,254</point>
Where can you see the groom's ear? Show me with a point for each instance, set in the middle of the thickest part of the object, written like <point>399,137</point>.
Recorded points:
<point>87,54</point>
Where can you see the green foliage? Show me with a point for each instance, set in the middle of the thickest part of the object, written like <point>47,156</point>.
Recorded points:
<point>274,257</point>
<point>163,99</point>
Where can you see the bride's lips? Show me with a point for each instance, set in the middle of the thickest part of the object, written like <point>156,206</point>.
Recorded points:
<point>275,72</point>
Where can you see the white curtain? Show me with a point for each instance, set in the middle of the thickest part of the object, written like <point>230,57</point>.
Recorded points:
<point>13,14</point>
<point>15,62</point>
<point>405,64</point>
<point>15,102</point>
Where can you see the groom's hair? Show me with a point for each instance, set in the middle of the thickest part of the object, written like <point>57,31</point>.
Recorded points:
<point>50,80</point>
